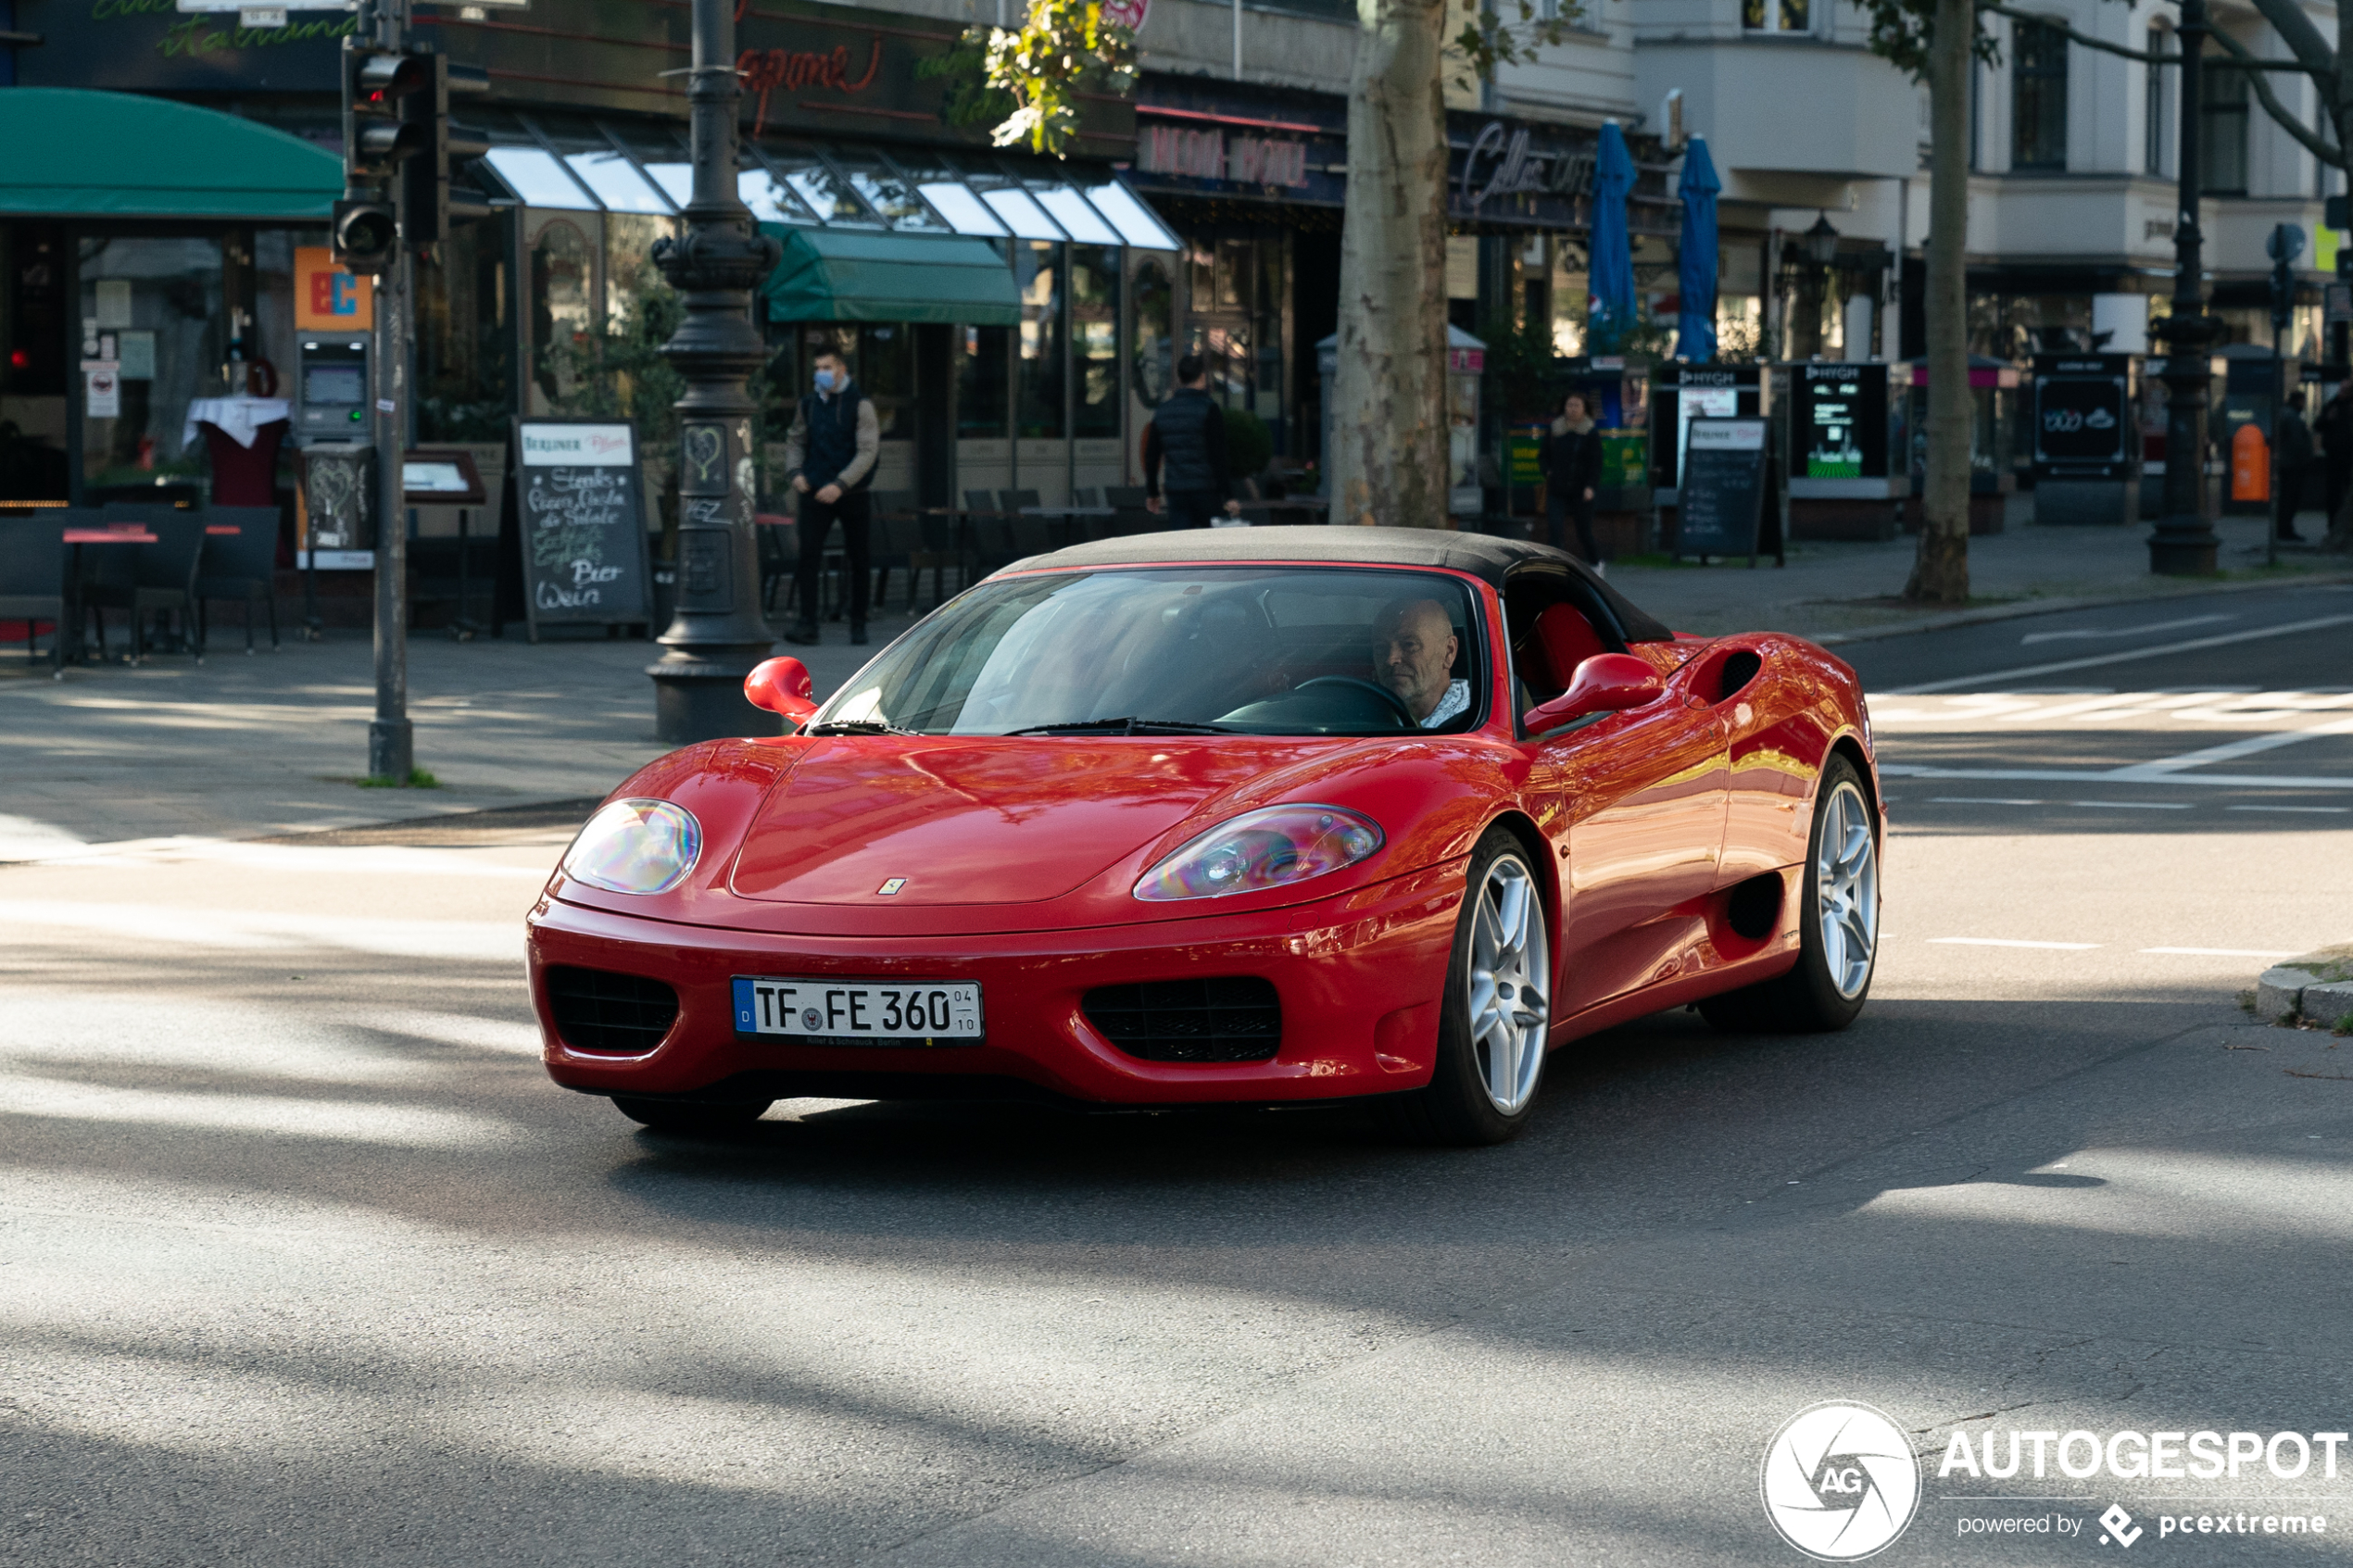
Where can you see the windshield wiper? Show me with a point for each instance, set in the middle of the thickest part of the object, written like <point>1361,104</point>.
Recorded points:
<point>856,727</point>
<point>1128,726</point>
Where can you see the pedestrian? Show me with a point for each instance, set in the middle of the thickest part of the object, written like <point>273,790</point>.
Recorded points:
<point>830,455</point>
<point>2294,449</point>
<point>1570,460</point>
<point>1189,434</point>
<point>2334,427</point>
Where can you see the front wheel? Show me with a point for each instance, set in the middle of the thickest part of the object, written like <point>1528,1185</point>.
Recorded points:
<point>1497,1011</point>
<point>688,1116</point>
<point>1838,928</point>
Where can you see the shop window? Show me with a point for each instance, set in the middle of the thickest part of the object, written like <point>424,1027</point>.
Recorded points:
<point>885,368</point>
<point>981,375</point>
<point>465,336</point>
<point>2038,99</point>
<point>1038,267</point>
<point>1154,332</point>
<point>1273,257</point>
<point>562,267</point>
<point>1200,275</point>
<point>33,332</point>
<point>1094,340</point>
<point>1233,274</point>
<point>1777,16</point>
<point>155,307</point>
<point>2223,130</point>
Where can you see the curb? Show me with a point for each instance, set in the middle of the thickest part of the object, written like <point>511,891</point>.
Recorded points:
<point>2057,606</point>
<point>2317,988</point>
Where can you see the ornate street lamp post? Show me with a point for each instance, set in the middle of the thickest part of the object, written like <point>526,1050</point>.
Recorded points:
<point>719,632</point>
<point>2184,544</point>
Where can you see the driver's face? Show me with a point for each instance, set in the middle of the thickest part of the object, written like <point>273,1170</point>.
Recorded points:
<point>1413,650</point>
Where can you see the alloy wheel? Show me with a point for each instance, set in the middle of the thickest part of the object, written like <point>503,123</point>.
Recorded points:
<point>1846,889</point>
<point>1509,995</point>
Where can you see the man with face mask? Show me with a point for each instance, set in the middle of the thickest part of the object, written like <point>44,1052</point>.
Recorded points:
<point>830,455</point>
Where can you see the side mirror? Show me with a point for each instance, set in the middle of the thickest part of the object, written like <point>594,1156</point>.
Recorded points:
<point>782,685</point>
<point>1607,682</point>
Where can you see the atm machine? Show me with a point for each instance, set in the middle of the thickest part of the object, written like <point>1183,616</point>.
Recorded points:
<point>335,430</point>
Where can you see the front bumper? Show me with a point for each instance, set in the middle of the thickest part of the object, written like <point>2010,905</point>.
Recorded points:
<point>1359,976</point>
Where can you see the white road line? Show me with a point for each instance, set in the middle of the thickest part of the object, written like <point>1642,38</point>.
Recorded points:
<point>2079,776</point>
<point>2289,629</point>
<point>2006,942</point>
<point>2219,953</point>
<point>1979,801</point>
<point>2231,751</point>
<point>2313,810</point>
<point>2033,637</point>
<point>2135,805</point>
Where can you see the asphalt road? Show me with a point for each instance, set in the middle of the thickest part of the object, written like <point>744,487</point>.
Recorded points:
<point>302,1260</point>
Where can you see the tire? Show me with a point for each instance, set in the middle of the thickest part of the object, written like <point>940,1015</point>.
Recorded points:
<point>1497,1010</point>
<point>1838,932</point>
<point>689,1116</point>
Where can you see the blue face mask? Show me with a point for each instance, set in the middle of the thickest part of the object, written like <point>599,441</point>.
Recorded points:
<point>824,381</point>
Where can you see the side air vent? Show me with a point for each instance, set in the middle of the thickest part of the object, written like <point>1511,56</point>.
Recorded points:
<point>1739,670</point>
<point>598,1010</point>
<point>1233,1018</point>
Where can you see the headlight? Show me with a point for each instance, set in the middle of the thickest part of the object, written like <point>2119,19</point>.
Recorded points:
<point>1272,847</point>
<point>636,846</point>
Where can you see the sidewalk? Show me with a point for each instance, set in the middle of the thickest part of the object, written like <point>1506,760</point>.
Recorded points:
<point>1835,592</point>
<point>244,747</point>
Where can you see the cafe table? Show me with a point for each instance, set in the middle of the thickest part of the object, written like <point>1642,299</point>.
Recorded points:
<point>119,533</point>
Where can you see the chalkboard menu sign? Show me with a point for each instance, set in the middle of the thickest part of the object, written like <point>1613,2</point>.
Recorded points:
<point>1721,501</point>
<point>573,528</point>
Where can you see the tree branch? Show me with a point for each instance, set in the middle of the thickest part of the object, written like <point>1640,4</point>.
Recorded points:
<point>2271,106</point>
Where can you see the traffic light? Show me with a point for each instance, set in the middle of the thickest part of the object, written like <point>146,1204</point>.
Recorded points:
<point>2286,244</point>
<point>377,137</point>
<point>438,145</point>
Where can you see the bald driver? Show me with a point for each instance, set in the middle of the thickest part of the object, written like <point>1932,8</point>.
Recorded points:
<point>1413,648</point>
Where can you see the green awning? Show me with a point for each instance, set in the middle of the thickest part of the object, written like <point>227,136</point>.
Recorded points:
<point>75,153</point>
<point>844,275</point>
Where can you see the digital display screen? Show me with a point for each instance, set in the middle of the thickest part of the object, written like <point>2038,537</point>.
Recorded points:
<point>1841,421</point>
<point>334,384</point>
<point>2083,419</point>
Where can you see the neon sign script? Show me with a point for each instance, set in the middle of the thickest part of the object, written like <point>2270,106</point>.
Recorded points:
<point>765,70</point>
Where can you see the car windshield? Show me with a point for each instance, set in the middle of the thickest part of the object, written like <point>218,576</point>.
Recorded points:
<point>1159,650</point>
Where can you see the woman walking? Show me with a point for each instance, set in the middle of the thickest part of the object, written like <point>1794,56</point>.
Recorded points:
<point>1570,460</point>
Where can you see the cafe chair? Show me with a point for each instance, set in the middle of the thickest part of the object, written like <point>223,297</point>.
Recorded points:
<point>1087,495</point>
<point>242,566</point>
<point>890,542</point>
<point>164,574</point>
<point>981,503</point>
<point>1012,501</point>
<point>32,579</point>
<point>779,553</point>
<point>1123,495</point>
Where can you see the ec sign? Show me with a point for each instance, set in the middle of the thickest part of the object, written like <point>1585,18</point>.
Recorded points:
<point>327,299</point>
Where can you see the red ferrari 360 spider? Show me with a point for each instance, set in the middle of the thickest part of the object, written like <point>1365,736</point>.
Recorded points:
<point>1245,815</point>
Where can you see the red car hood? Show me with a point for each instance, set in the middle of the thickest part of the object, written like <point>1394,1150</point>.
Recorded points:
<point>985,819</point>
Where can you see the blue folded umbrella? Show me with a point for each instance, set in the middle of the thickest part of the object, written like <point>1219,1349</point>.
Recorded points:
<point>1612,269</point>
<point>1695,268</point>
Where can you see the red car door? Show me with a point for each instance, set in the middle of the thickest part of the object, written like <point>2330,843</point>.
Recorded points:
<point>1643,795</point>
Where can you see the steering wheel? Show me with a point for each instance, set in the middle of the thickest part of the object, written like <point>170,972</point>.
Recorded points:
<point>1404,714</point>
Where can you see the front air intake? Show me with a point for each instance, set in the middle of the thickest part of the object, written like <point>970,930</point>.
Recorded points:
<point>618,1014</point>
<point>1235,1018</point>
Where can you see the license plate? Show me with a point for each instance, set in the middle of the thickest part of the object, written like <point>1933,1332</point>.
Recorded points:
<point>858,1011</point>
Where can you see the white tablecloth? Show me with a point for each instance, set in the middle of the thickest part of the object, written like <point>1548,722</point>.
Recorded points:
<point>239,418</point>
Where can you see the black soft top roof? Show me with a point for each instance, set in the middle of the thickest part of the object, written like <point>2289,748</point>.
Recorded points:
<point>1482,555</point>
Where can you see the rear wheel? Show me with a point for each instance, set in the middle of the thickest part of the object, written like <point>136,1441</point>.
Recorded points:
<point>1837,930</point>
<point>687,1116</point>
<point>1497,1011</point>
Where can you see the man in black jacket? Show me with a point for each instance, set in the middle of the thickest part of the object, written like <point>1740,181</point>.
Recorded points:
<point>2295,461</point>
<point>2334,428</point>
<point>830,455</point>
<point>1570,460</point>
<point>1189,434</point>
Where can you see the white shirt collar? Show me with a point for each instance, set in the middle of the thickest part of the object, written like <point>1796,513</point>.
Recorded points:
<point>1456,699</point>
